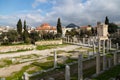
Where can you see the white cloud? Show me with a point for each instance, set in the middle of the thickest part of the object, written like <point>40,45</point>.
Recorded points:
<point>36,3</point>
<point>70,11</point>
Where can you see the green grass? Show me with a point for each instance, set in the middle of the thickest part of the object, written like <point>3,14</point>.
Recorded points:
<point>44,66</point>
<point>17,75</point>
<point>50,58</point>
<point>70,60</point>
<point>5,62</point>
<point>43,47</point>
<point>113,72</point>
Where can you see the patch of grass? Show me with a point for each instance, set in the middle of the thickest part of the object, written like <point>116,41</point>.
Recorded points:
<point>44,66</point>
<point>70,60</point>
<point>35,69</point>
<point>113,72</point>
<point>17,75</point>
<point>50,58</point>
<point>5,62</point>
<point>43,47</point>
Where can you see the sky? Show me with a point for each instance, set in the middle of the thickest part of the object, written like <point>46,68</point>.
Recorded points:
<point>79,12</point>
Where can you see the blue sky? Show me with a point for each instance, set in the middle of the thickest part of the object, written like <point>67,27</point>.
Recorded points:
<point>80,12</point>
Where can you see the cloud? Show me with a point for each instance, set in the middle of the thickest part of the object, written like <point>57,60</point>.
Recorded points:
<point>70,11</point>
<point>36,3</point>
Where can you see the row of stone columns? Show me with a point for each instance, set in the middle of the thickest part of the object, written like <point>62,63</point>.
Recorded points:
<point>80,69</point>
<point>104,56</point>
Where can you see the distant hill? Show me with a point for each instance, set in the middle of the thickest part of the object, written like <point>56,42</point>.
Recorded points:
<point>72,26</point>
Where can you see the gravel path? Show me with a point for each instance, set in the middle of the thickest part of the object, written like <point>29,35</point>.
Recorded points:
<point>6,71</point>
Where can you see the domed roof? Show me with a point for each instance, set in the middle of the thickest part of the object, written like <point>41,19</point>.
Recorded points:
<point>72,25</point>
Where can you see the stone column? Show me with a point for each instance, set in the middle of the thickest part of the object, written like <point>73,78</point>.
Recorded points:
<point>80,67</point>
<point>55,60</point>
<point>83,40</point>
<point>115,54</point>
<point>88,54</point>
<point>99,45</point>
<point>68,39</point>
<point>25,76</point>
<point>117,46</point>
<point>104,56</point>
<point>109,44</point>
<point>88,42</point>
<point>67,72</point>
<point>94,49</point>
<point>97,63</point>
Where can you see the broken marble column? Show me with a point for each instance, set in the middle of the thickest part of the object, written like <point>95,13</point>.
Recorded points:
<point>55,60</point>
<point>94,48</point>
<point>83,40</point>
<point>110,44</point>
<point>115,54</point>
<point>88,53</point>
<point>67,72</point>
<point>107,49</point>
<point>117,46</point>
<point>68,38</point>
<point>104,56</point>
<point>80,67</point>
<point>88,42</point>
<point>98,58</point>
<point>25,76</point>
<point>99,45</point>
<point>98,63</point>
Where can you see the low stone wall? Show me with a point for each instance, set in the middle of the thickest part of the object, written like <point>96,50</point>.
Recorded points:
<point>16,48</point>
<point>50,42</point>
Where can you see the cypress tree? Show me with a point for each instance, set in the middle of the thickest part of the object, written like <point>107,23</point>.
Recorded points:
<point>25,34</point>
<point>19,27</point>
<point>59,27</point>
<point>106,20</point>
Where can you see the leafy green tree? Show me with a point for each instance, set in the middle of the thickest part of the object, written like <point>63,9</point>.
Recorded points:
<point>59,27</point>
<point>112,28</point>
<point>9,37</point>
<point>26,34</point>
<point>19,27</point>
<point>34,35</point>
<point>106,20</point>
<point>12,35</point>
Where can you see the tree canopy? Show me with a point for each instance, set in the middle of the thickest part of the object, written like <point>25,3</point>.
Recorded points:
<point>59,27</point>
<point>106,20</point>
<point>19,27</point>
<point>112,28</point>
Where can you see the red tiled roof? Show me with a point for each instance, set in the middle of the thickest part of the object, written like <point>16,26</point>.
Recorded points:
<point>83,26</point>
<point>45,26</point>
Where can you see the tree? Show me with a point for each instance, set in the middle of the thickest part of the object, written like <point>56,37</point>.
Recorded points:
<point>112,28</point>
<point>12,35</point>
<point>19,27</point>
<point>106,20</point>
<point>59,27</point>
<point>26,34</point>
<point>34,35</point>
